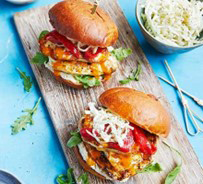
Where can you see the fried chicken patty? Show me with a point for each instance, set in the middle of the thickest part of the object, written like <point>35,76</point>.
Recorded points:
<point>82,68</point>
<point>64,61</point>
<point>116,165</point>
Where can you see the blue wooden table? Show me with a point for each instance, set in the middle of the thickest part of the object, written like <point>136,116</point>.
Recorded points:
<point>35,155</point>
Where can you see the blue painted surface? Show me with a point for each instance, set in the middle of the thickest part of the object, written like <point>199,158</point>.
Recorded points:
<point>35,155</point>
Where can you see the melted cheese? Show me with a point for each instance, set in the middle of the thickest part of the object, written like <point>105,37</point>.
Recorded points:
<point>103,122</point>
<point>121,162</point>
<point>129,162</point>
<point>85,157</point>
<point>65,76</point>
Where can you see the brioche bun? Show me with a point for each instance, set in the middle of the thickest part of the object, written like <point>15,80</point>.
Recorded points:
<point>74,19</point>
<point>144,110</point>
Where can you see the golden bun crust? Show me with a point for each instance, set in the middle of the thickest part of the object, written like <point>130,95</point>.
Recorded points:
<point>139,108</point>
<point>84,164</point>
<point>73,19</point>
<point>69,83</point>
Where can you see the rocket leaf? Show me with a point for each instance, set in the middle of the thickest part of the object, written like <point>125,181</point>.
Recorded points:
<point>26,80</point>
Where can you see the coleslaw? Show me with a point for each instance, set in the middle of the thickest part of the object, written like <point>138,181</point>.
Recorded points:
<point>174,22</point>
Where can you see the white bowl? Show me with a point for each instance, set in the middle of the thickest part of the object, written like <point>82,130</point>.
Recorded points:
<point>157,44</point>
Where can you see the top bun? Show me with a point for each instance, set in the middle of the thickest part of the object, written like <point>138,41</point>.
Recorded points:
<point>139,108</point>
<point>74,19</point>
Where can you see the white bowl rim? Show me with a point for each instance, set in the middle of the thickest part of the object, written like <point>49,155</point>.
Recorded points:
<point>20,2</point>
<point>143,27</point>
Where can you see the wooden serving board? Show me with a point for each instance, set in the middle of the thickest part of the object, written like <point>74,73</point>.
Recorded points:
<point>66,105</point>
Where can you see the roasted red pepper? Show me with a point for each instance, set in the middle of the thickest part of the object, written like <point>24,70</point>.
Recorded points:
<point>109,129</point>
<point>128,143</point>
<point>52,39</point>
<point>137,135</point>
<point>86,136</point>
<point>89,54</point>
<point>145,146</point>
<point>55,37</point>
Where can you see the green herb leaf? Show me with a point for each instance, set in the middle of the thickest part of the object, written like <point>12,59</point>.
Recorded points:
<point>121,53</point>
<point>88,81</point>
<point>42,34</point>
<point>66,178</point>
<point>74,140</point>
<point>137,72</point>
<point>134,76</point>
<point>61,179</point>
<point>26,80</point>
<point>39,59</point>
<point>70,176</point>
<point>125,81</point>
<point>83,178</point>
<point>174,173</point>
<point>21,122</point>
<point>151,168</point>
<point>76,133</point>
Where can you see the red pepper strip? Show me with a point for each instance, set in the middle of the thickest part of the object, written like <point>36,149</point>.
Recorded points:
<point>145,146</point>
<point>50,37</point>
<point>128,143</point>
<point>89,53</point>
<point>105,127</point>
<point>86,136</point>
<point>67,43</point>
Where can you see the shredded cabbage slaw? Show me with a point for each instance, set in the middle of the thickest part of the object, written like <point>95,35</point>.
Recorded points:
<point>174,22</point>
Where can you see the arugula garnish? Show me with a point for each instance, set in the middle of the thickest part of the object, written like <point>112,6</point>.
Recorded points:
<point>42,34</point>
<point>39,59</point>
<point>157,168</point>
<point>135,75</point>
<point>83,178</point>
<point>88,81</point>
<point>151,168</point>
<point>121,53</point>
<point>74,140</point>
<point>21,122</point>
<point>26,80</point>
<point>66,178</point>
<point>174,173</point>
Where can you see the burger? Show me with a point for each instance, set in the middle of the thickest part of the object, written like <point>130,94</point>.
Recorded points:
<point>79,50</point>
<point>118,139</point>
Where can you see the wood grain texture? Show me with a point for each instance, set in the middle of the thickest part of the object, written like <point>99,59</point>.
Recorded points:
<point>66,105</point>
